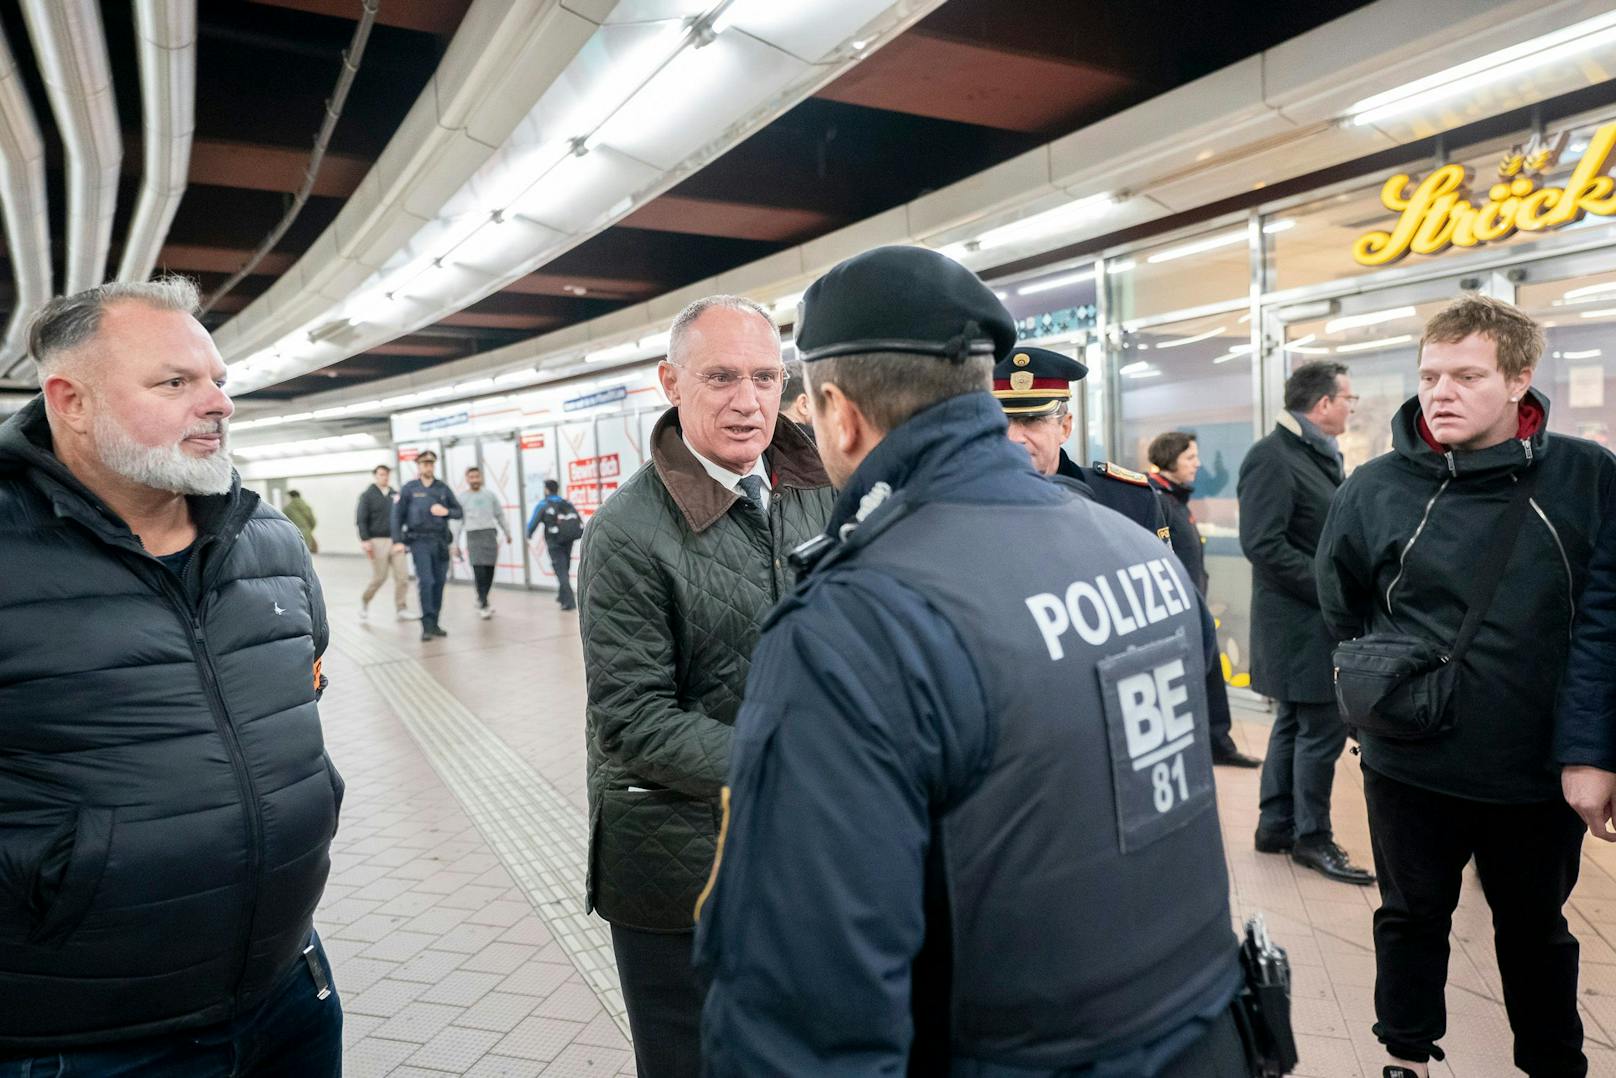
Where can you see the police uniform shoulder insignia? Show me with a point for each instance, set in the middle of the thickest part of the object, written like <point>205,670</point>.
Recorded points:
<point>1164,534</point>
<point>1117,471</point>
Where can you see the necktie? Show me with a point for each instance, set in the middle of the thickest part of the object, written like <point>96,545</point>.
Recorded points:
<point>752,490</point>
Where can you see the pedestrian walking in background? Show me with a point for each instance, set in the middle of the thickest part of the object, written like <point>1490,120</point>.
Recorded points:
<point>374,517</point>
<point>562,526</point>
<point>480,532</point>
<point>421,525</point>
<point>299,512</point>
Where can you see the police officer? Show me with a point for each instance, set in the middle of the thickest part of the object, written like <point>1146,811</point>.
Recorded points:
<point>924,865</point>
<point>421,524</point>
<point>1035,387</point>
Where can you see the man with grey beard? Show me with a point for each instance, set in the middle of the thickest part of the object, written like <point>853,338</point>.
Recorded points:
<point>166,803</point>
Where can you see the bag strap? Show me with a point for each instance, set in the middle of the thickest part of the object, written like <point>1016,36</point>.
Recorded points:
<point>1490,573</point>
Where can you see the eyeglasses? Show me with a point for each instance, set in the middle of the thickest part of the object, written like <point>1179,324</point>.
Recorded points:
<point>1350,398</point>
<point>766,382</point>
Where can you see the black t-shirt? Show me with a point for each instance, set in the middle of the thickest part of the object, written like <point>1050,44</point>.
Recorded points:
<point>178,560</point>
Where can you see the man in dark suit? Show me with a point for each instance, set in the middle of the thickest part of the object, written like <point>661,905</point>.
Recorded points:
<point>1285,486</point>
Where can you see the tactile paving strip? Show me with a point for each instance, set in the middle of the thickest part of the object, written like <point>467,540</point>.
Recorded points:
<point>538,834</point>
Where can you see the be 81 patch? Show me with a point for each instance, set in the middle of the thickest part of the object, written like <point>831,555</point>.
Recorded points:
<point>1155,717</point>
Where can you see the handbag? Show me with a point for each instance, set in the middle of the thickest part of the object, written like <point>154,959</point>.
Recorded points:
<point>1400,687</point>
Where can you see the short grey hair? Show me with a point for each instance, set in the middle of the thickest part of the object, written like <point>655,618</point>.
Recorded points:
<point>67,323</point>
<point>687,317</point>
<point>890,388</point>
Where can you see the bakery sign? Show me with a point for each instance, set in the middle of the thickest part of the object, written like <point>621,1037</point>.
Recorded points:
<point>1440,212</point>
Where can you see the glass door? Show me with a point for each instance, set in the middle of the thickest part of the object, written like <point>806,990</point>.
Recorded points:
<point>1376,336</point>
<point>1574,299</point>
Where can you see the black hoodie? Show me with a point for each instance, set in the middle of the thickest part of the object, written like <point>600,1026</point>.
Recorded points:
<point>1399,549</point>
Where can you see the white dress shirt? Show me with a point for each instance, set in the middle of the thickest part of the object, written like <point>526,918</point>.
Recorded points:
<point>728,479</point>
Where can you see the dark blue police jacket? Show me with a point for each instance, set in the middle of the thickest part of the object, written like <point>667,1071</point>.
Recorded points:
<point>957,839</point>
<point>413,521</point>
<point>1140,504</point>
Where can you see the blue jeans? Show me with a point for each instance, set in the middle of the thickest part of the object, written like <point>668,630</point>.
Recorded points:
<point>431,571</point>
<point>293,1032</point>
<point>1299,771</point>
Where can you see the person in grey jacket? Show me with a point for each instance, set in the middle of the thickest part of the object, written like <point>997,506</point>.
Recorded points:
<point>1285,486</point>
<point>166,803</point>
<point>679,566</point>
<point>478,533</point>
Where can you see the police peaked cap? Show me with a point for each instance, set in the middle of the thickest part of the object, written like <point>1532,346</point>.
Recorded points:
<point>1035,381</point>
<point>902,299</point>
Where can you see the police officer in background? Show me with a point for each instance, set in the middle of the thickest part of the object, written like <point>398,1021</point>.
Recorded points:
<point>1034,386</point>
<point>925,865</point>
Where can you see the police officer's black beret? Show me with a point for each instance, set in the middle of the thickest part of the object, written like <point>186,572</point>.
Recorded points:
<point>1035,381</point>
<point>902,299</point>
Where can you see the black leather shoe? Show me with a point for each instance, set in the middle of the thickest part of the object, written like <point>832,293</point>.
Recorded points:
<point>438,630</point>
<point>1331,861</point>
<point>1268,842</point>
<point>1235,758</point>
<point>426,632</point>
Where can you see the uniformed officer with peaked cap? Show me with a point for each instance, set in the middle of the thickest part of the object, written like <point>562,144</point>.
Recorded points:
<point>924,865</point>
<point>1034,385</point>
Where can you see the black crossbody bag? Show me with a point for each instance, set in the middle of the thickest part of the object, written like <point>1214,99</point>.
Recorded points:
<point>1400,687</point>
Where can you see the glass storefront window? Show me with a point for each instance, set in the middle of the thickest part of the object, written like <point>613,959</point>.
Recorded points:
<point>1578,369</point>
<point>1197,271</point>
<point>1319,247</point>
<point>1196,376</point>
<point>1380,349</point>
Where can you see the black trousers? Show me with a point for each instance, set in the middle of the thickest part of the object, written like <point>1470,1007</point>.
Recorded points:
<point>664,996</point>
<point>484,576</point>
<point>431,557</point>
<point>1527,857</point>
<point>1298,771</point>
<point>1220,1054</point>
<point>561,562</point>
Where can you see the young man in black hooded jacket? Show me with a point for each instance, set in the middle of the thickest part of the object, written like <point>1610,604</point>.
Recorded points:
<point>1399,554</point>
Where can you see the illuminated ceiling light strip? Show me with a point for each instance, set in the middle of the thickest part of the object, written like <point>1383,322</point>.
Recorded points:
<point>1178,341</point>
<point>1470,76</point>
<point>1050,222</point>
<point>1590,290</point>
<point>1370,346</point>
<point>1056,282</point>
<point>1373,318</point>
<point>1587,353</point>
<point>1144,374</point>
<point>1603,312</point>
<point>1212,243</point>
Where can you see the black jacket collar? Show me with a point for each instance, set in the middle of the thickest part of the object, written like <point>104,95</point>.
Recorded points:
<point>1499,459</point>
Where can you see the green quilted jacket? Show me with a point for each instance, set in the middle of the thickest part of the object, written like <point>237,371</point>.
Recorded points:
<point>676,574</point>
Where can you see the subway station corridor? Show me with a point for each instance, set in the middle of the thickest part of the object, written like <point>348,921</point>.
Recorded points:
<point>454,915</point>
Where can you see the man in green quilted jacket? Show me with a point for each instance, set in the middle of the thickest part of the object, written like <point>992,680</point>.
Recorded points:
<point>679,566</point>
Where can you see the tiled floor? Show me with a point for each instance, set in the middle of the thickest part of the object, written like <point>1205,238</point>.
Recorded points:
<point>456,932</point>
